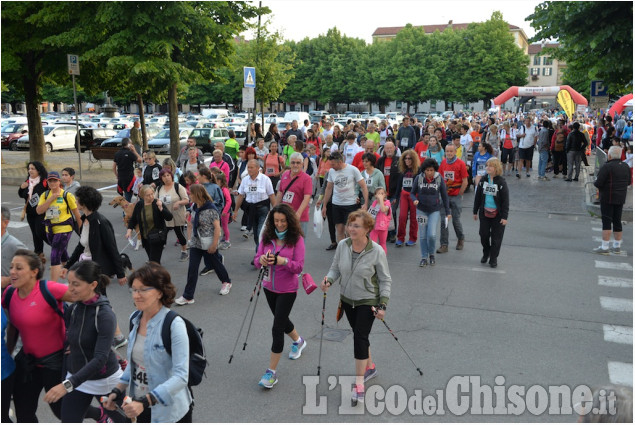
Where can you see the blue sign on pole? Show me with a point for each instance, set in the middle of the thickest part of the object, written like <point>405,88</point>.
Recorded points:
<point>250,76</point>
<point>598,88</point>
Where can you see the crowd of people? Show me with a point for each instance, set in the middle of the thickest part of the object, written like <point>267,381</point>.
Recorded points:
<point>374,184</point>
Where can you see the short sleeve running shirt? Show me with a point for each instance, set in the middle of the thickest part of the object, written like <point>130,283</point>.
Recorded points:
<point>59,211</point>
<point>344,182</point>
<point>295,195</point>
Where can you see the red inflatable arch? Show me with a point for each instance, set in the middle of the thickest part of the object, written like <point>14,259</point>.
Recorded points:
<point>619,106</point>
<point>516,91</point>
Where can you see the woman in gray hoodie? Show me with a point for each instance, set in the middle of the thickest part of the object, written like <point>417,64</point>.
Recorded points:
<point>365,281</point>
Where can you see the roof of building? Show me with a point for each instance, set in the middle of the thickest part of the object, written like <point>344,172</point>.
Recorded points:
<point>534,49</point>
<point>428,28</point>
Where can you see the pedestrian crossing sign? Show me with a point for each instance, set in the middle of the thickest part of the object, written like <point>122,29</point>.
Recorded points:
<point>250,76</point>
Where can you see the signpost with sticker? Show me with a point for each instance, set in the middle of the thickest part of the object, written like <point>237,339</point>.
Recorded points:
<point>73,69</point>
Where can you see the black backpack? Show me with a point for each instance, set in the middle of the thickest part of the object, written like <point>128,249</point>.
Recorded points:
<point>48,297</point>
<point>198,360</point>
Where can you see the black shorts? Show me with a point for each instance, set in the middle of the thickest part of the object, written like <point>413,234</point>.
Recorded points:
<point>526,154</point>
<point>341,212</point>
<point>507,155</point>
<point>611,215</point>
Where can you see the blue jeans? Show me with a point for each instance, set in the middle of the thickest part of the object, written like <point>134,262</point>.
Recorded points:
<point>543,157</point>
<point>428,232</point>
<point>261,216</point>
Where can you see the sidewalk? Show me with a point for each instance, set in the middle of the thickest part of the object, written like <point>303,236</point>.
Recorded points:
<point>591,193</point>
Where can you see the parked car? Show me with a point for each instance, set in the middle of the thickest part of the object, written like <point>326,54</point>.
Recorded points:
<point>116,141</point>
<point>205,138</point>
<point>161,142</point>
<point>11,133</point>
<point>93,137</point>
<point>56,137</point>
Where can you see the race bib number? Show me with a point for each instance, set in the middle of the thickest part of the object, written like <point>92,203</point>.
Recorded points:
<point>269,171</point>
<point>140,379</point>
<point>386,171</point>
<point>53,213</point>
<point>490,189</point>
<point>374,211</point>
<point>369,182</point>
<point>155,173</point>
<point>288,197</point>
<point>404,141</point>
<point>252,188</point>
<point>266,275</point>
<point>422,220</point>
<point>167,199</point>
<point>480,170</point>
<point>407,182</point>
<point>35,199</point>
<point>448,176</point>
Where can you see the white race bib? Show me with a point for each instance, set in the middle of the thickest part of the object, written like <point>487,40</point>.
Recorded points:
<point>422,220</point>
<point>269,171</point>
<point>252,188</point>
<point>52,213</point>
<point>404,141</point>
<point>386,171</point>
<point>448,176</point>
<point>369,182</point>
<point>140,379</point>
<point>167,199</point>
<point>480,169</point>
<point>490,189</point>
<point>288,197</point>
<point>35,199</point>
<point>155,173</point>
<point>407,182</point>
<point>374,211</point>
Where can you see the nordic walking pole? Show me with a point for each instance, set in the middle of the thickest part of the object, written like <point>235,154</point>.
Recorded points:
<point>321,334</point>
<point>253,312</point>
<point>397,339</point>
<point>260,276</point>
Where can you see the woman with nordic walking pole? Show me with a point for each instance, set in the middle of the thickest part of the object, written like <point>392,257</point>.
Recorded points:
<point>362,266</point>
<point>281,252</point>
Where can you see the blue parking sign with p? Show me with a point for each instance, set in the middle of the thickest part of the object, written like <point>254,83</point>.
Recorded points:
<point>598,88</point>
<point>250,77</point>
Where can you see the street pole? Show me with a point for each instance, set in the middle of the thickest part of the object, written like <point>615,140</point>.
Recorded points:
<point>77,142</point>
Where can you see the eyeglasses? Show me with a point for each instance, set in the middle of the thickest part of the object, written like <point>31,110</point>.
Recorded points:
<point>355,226</point>
<point>295,162</point>
<point>141,291</point>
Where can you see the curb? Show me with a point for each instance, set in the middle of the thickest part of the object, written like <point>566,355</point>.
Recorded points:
<point>15,181</point>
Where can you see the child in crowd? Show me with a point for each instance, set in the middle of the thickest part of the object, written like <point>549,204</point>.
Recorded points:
<point>138,182</point>
<point>380,209</point>
<point>221,180</point>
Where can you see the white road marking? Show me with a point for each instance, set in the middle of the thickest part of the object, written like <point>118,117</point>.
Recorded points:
<point>615,282</point>
<point>596,229</point>
<point>597,239</point>
<point>618,334</point>
<point>621,373</point>
<point>617,304</point>
<point>17,224</point>
<point>613,266</point>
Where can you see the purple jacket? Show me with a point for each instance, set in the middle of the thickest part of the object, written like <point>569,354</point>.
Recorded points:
<point>282,279</point>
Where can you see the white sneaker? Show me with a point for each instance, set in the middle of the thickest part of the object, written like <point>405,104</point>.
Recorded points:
<point>138,247</point>
<point>243,228</point>
<point>183,301</point>
<point>296,349</point>
<point>224,290</point>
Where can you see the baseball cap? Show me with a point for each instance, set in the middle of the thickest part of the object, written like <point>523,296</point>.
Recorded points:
<point>53,175</point>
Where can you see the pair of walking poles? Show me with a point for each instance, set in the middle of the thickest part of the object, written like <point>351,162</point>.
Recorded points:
<point>256,292</point>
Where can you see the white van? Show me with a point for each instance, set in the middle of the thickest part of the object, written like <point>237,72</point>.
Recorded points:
<point>215,114</point>
<point>297,116</point>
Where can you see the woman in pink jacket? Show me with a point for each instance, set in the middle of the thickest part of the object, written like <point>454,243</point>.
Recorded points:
<point>281,250</point>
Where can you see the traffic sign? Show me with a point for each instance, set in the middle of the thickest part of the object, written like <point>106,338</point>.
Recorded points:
<point>250,77</point>
<point>73,64</point>
<point>249,99</point>
<point>598,89</point>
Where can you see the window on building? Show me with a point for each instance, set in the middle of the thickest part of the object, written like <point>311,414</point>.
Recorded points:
<point>546,72</point>
<point>535,71</point>
<point>536,60</point>
<point>547,61</point>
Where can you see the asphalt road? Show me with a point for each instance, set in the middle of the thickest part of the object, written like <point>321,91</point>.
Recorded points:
<point>546,316</point>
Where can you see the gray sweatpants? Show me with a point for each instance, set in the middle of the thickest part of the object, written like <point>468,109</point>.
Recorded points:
<point>573,159</point>
<point>455,207</point>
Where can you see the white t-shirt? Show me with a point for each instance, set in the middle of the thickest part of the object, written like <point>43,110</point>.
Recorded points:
<point>530,136</point>
<point>350,150</point>
<point>466,139</point>
<point>333,147</point>
<point>344,184</point>
<point>256,190</point>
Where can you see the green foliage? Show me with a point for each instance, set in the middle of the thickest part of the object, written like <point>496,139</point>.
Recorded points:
<point>596,41</point>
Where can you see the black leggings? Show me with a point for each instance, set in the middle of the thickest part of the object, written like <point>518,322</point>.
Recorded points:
<point>280,305</point>
<point>331,222</point>
<point>76,406</point>
<point>491,231</point>
<point>37,232</point>
<point>26,395</point>
<point>178,230</point>
<point>154,251</point>
<point>146,416</point>
<point>7,392</point>
<point>361,319</point>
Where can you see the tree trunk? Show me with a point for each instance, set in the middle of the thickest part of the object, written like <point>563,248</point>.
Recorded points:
<point>36,134</point>
<point>173,113</point>
<point>408,108</point>
<point>262,117</point>
<point>142,122</point>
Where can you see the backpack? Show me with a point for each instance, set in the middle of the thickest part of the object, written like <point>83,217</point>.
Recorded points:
<point>68,209</point>
<point>560,141</point>
<point>198,360</point>
<point>46,294</point>
<point>309,168</point>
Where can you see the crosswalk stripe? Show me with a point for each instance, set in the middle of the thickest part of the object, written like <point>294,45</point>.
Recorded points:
<point>596,229</point>
<point>597,238</point>
<point>621,373</point>
<point>615,282</point>
<point>613,266</point>
<point>616,304</point>
<point>618,334</point>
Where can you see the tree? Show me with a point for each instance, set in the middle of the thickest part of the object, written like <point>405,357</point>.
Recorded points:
<point>596,40</point>
<point>33,52</point>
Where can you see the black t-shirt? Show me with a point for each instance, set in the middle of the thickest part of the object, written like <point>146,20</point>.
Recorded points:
<point>125,161</point>
<point>151,175</point>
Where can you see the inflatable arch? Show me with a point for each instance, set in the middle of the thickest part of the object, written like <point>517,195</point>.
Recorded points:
<point>516,91</point>
<point>619,106</point>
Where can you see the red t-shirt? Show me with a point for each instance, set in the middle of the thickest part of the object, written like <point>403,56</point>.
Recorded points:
<point>386,171</point>
<point>357,160</point>
<point>42,330</point>
<point>421,149</point>
<point>294,197</point>
<point>453,174</point>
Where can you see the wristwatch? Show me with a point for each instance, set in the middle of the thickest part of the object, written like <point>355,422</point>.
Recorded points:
<point>68,385</point>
